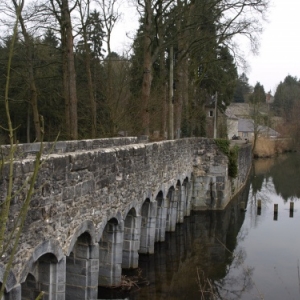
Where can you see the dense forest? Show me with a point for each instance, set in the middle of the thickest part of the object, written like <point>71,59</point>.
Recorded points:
<point>183,53</point>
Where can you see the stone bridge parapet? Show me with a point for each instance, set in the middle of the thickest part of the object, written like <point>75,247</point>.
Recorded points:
<point>29,150</point>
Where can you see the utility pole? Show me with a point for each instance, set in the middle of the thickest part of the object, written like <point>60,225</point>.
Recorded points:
<point>171,96</point>
<point>215,119</point>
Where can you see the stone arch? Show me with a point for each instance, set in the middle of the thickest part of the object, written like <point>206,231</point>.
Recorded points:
<point>86,226</point>
<point>161,215</point>
<point>11,280</point>
<point>44,278</point>
<point>30,287</point>
<point>148,224</point>
<point>82,265</point>
<point>101,226</point>
<point>131,242</point>
<point>12,290</point>
<point>6,295</point>
<point>110,253</point>
<point>45,271</point>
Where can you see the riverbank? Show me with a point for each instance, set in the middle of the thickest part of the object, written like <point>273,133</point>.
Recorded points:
<point>266,147</point>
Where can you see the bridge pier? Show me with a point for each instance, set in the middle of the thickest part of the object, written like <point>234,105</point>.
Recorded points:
<point>131,242</point>
<point>188,189</point>
<point>172,210</point>
<point>49,276</point>
<point>82,267</point>
<point>181,199</point>
<point>110,254</point>
<point>161,217</point>
<point>148,227</point>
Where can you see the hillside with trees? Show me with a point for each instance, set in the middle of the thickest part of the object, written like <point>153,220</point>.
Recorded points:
<point>287,106</point>
<point>183,53</point>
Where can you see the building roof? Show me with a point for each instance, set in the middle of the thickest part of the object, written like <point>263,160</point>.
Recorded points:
<point>247,125</point>
<point>239,109</point>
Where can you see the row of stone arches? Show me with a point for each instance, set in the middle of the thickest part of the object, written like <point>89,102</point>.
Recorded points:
<point>98,253</point>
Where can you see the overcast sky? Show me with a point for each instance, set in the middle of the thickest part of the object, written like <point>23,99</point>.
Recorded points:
<point>279,52</point>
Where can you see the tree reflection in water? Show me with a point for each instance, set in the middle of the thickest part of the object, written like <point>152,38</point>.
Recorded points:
<point>285,178</point>
<point>200,260</point>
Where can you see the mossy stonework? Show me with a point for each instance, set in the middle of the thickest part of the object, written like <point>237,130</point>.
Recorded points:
<point>232,152</point>
<point>98,204</point>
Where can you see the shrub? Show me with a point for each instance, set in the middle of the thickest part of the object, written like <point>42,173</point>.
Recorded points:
<point>232,154</point>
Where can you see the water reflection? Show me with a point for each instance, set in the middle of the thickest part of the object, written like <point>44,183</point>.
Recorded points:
<point>284,173</point>
<point>271,243</point>
<point>197,258</point>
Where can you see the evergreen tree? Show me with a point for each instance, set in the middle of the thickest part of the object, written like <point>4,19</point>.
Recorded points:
<point>242,89</point>
<point>287,95</point>
<point>258,95</point>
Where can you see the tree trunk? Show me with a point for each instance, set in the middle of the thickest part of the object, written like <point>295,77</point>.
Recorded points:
<point>91,94</point>
<point>182,68</point>
<point>162,75</point>
<point>163,95</point>
<point>31,79</point>
<point>171,98</point>
<point>179,98</point>
<point>147,66</point>
<point>69,67</point>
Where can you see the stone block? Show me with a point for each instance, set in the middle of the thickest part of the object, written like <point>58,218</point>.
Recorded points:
<point>87,187</point>
<point>105,272</point>
<point>92,279</point>
<point>127,245</point>
<point>92,293</point>
<point>60,296</point>
<point>76,280</point>
<point>82,251</point>
<point>76,266</point>
<point>105,256</point>
<point>93,265</point>
<point>135,245</point>
<point>118,254</point>
<point>61,288</point>
<point>76,293</point>
<point>68,193</point>
<point>44,287</point>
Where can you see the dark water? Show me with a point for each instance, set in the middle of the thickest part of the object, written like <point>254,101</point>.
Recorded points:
<point>232,254</point>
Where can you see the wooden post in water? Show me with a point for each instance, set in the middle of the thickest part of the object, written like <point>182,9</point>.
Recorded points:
<point>275,212</point>
<point>259,204</point>
<point>291,209</point>
<point>259,207</point>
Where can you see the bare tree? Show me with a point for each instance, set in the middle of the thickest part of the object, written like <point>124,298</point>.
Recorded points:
<point>85,28</point>
<point>9,237</point>
<point>110,16</point>
<point>62,13</point>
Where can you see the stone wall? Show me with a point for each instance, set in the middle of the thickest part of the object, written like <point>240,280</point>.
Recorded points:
<point>95,208</point>
<point>212,187</point>
<point>29,150</point>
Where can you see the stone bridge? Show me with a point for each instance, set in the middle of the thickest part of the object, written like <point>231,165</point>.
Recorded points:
<point>99,203</point>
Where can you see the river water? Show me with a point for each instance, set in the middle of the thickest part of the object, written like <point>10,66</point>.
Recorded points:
<point>232,254</point>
